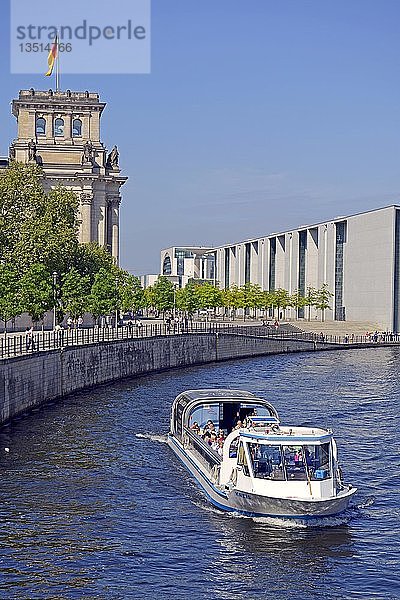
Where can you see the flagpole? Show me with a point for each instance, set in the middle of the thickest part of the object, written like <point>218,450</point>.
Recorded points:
<point>58,65</point>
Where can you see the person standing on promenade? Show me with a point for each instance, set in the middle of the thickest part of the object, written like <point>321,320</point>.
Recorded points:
<point>30,342</point>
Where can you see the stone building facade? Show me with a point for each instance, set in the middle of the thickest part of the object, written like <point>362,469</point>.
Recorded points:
<point>60,131</point>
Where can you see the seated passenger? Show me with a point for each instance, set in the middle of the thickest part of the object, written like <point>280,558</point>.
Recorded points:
<point>239,425</point>
<point>195,427</point>
<point>220,446</point>
<point>213,441</point>
<point>297,458</point>
<point>209,426</point>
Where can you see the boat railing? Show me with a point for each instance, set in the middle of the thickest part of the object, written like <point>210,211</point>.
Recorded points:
<point>196,441</point>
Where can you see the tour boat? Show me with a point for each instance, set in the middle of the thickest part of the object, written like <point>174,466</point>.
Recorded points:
<point>246,462</point>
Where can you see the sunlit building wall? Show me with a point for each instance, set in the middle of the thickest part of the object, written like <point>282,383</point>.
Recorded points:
<point>357,257</point>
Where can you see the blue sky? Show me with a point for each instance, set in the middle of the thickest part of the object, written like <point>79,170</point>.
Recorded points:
<point>257,116</point>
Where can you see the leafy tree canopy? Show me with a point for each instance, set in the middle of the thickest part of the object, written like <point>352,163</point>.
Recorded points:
<point>36,291</point>
<point>104,298</point>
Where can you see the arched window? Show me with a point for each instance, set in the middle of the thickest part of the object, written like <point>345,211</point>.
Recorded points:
<point>167,268</point>
<point>77,128</point>
<point>59,127</point>
<point>40,126</point>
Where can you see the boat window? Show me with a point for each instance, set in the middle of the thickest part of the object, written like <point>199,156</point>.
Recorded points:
<point>178,419</point>
<point>204,413</point>
<point>233,448</point>
<point>294,462</point>
<point>307,462</point>
<point>317,458</point>
<point>267,462</point>
<point>242,460</point>
<point>183,400</point>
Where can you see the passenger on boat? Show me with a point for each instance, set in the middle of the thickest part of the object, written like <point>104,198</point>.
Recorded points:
<point>213,441</point>
<point>297,457</point>
<point>195,427</point>
<point>239,425</point>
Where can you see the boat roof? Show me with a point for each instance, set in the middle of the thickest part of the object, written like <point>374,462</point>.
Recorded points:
<point>320,437</point>
<point>218,394</point>
<point>188,400</point>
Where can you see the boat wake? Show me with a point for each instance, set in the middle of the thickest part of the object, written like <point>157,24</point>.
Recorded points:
<point>209,508</point>
<point>367,502</point>
<point>162,439</point>
<point>317,522</point>
<point>286,523</point>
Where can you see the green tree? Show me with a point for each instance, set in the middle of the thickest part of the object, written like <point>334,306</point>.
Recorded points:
<point>310,299</point>
<point>20,192</point>
<point>130,291</point>
<point>266,300</point>
<point>75,293</point>
<point>322,299</point>
<point>104,298</point>
<point>232,299</point>
<point>149,297</point>
<point>36,291</point>
<point>163,291</point>
<point>50,235</point>
<point>90,258</point>
<point>208,296</point>
<point>188,299</point>
<point>252,297</point>
<point>297,301</point>
<point>10,306</point>
<point>280,299</point>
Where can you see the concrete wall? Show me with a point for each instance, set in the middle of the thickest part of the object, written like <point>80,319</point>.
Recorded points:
<point>28,381</point>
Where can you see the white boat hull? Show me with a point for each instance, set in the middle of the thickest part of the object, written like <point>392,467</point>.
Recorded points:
<point>254,505</point>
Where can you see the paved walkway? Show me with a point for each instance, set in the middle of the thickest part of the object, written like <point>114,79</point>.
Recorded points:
<point>338,327</point>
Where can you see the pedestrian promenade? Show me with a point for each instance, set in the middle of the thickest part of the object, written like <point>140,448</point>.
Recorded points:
<point>18,344</point>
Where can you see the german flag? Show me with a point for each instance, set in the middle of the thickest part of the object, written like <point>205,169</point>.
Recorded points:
<point>52,56</point>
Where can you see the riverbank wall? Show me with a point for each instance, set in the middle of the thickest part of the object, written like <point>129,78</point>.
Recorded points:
<point>32,379</point>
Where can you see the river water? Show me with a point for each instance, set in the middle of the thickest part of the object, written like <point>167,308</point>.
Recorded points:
<point>95,505</point>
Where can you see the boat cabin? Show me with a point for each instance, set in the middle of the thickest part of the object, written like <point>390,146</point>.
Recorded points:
<point>220,411</point>
<point>224,408</point>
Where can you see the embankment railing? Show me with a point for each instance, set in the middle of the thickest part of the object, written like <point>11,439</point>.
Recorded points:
<point>17,344</point>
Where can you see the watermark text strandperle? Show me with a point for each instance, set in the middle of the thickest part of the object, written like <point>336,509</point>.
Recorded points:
<point>81,32</point>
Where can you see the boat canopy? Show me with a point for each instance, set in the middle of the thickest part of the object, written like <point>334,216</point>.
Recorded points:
<point>222,406</point>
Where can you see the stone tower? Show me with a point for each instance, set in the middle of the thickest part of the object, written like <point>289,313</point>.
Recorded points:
<point>61,132</point>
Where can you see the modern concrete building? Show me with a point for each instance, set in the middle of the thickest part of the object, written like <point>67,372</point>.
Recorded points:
<point>357,257</point>
<point>181,264</point>
<point>148,280</point>
<point>61,132</point>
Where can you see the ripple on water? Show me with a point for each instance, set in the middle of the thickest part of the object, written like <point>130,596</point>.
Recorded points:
<point>95,505</point>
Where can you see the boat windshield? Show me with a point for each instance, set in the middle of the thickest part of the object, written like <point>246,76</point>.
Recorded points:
<point>288,463</point>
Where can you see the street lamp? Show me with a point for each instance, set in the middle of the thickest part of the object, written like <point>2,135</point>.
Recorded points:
<point>174,311</point>
<point>54,299</point>
<point>117,300</point>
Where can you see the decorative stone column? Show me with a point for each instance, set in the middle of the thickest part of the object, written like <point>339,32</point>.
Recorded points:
<point>113,225</point>
<point>86,215</point>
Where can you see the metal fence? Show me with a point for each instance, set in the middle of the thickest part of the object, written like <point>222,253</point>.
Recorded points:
<point>12,345</point>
